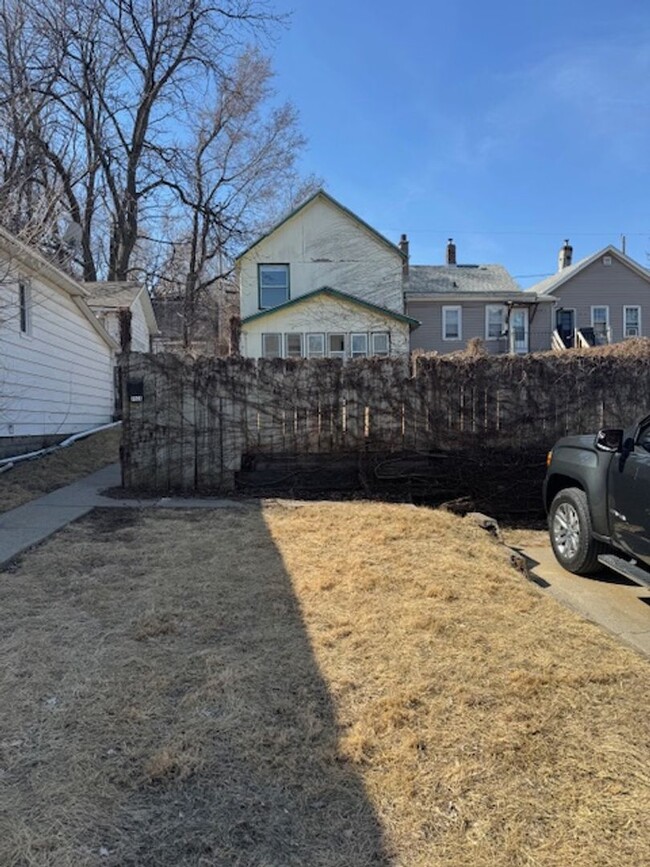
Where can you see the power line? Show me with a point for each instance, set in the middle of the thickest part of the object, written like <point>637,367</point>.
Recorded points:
<point>525,276</point>
<point>564,232</point>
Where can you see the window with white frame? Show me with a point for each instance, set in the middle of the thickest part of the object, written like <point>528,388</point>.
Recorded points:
<point>24,308</point>
<point>452,326</point>
<point>315,346</point>
<point>271,346</point>
<point>359,345</point>
<point>631,320</point>
<point>293,345</point>
<point>273,285</point>
<point>380,343</point>
<point>336,345</point>
<point>600,320</point>
<point>495,321</point>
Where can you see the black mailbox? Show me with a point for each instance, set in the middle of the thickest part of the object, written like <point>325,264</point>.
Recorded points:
<point>135,390</point>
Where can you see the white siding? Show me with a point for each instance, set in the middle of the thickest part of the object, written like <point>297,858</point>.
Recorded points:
<point>139,330</point>
<point>57,378</point>
<point>110,319</point>
<point>325,247</point>
<point>323,315</point>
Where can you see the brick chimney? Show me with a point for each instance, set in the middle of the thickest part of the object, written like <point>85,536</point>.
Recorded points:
<point>451,252</point>
<point>565,256</point>
<point>404,247</point>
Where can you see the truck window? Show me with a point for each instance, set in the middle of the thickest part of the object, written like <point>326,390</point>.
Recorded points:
<point>644,438</point>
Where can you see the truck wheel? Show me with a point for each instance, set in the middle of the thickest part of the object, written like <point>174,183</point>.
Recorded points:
<point>569,524</point>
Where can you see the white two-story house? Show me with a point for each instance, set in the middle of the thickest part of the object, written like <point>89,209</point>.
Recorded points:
<point>323,284</point>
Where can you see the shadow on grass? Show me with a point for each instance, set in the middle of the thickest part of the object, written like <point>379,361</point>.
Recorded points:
<point>187,691</point>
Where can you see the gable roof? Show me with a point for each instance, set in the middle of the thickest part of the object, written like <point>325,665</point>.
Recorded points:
<point>550,284</point>
<point>460,279</point>
<point>119,295</point>
<point>35,264</point>
<point>321,194</point>
<point>340,296</point>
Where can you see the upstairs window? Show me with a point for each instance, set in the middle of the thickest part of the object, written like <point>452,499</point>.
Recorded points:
<point>273,285</point>
<point>631,320</point>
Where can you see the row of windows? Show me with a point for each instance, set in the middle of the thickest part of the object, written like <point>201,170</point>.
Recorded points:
<point>631,320</point>
<point>495,321</point>
<point>321,345</point>
<point>452,322</point>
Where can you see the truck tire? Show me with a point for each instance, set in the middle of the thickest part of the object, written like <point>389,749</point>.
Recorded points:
<point>569,524</point>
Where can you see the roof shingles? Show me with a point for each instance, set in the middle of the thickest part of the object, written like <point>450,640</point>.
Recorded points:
<point>459,279</point>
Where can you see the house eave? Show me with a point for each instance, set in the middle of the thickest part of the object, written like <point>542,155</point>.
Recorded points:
<point>337,295</point>
<point>34,264</point>
<point>83,307</point>
<point>489,297</point>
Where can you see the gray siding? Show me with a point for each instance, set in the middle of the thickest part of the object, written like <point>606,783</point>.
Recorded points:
<point>428,336</point>
<point>613,285</point>
<point>541,325</point>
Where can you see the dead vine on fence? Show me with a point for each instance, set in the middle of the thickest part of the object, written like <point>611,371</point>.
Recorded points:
<point>203,424</point>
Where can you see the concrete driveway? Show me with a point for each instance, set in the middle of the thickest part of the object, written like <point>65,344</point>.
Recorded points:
<point>620,606</point>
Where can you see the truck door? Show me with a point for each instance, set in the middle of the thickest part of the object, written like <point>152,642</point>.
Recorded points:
<point>629,497</point>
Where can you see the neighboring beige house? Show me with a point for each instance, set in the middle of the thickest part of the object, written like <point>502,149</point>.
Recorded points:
<point>603,298</point>
<point>125,310</point>
<point>456,303</point>
<point>56,359</point>
<point>323,284</point>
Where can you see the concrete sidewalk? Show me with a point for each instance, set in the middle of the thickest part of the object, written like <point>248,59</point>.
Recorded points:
<point>618,605</point>
<point>33,522</point>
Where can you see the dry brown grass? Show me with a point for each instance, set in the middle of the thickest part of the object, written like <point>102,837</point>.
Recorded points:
<point>32,479</point>
<point>327,684</point>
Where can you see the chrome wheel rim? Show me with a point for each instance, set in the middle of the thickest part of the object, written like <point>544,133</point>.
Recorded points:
<point>566,530</point>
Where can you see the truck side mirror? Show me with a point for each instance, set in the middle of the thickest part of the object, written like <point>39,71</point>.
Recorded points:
<point>609,439</point>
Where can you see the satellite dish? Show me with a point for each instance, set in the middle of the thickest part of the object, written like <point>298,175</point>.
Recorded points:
<point>73,234</point>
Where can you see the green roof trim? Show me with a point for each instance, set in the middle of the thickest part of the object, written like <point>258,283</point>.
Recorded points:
<point>322,194</point>
<point>340,296</point>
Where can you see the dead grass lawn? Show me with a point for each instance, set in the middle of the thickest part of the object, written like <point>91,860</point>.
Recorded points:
<point>32,479</point>
<point>323,684</point>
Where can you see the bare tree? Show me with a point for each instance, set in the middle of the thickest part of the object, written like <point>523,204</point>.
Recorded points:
<point>238,168</point>
<point>102,119</point>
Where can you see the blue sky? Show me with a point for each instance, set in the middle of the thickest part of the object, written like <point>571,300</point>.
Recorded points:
<point>509,126</point>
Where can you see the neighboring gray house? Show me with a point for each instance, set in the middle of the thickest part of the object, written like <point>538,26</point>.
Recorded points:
<point>456,303</point>
<point>601,299</point>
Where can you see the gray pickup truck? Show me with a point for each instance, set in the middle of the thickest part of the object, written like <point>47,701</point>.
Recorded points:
<point>597,497</point>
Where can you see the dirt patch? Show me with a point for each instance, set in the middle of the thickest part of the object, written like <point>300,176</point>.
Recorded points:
<point>326,684</point>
